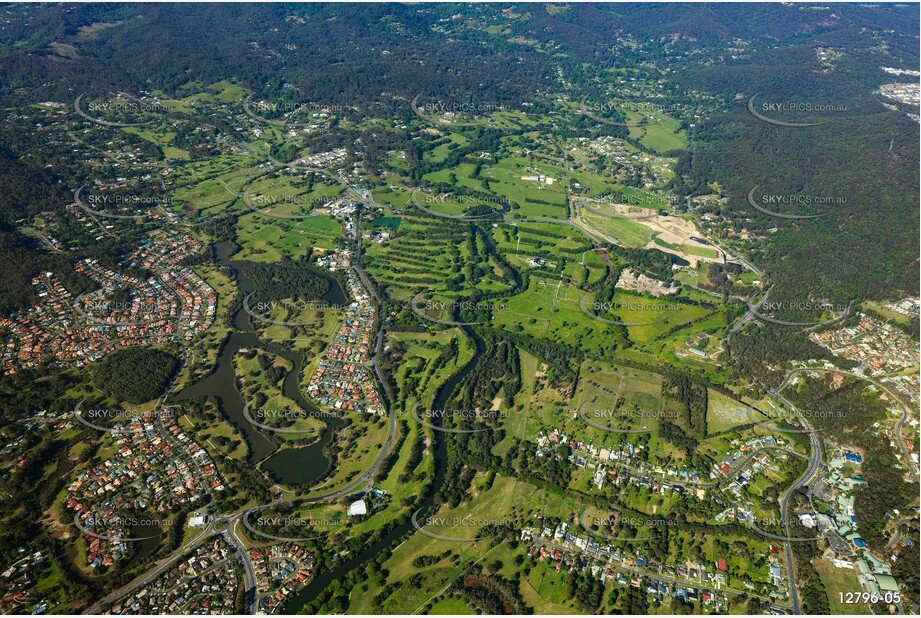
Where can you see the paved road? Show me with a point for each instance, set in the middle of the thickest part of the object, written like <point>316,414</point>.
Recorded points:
<point>817,459</point>
<point>669,579</point>
<point>727,478</point>
<point>897,533</point>
<point>231,520</point>
<point>151,575</point>
<point>815,463</point>
<point>249,573</point>
<point>739,258</point>
<point>906,409</point>
<point>749,315</point>
<point>41,236</point>
<point>365,479</point>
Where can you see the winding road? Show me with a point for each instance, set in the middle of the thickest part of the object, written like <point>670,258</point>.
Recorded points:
<point>230,521</point>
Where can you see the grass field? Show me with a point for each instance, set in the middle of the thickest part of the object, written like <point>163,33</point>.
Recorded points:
<point>550,309</point>
<point>566,248</point>
<point>705,252</point>
<point>311,336</point>
<point>356,447</point>
<point>267,404</point>
<point>450,606</point>
<point>226,91</point>
<point>723,413</point>
<point>516,425</point>
<point>649,317</point>
<point>382,510</point>
<point>420,370</point>
<point>292,194</point>
<point>508,500</point>
<point>506,183</point>
<point>544,590</point>
<point>441,152</point>
<point>837,581</point>
<point>661,137</point>
<point>634,394</point>
<point>629,233</point>
<point>264,239</point>
<point>161,137</point>
<point>397,199</point>
<point>205,188</point>
<point>886,312</point>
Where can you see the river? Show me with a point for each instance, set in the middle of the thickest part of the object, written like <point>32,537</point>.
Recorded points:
<point>357,560</point>
<point>289,465</point>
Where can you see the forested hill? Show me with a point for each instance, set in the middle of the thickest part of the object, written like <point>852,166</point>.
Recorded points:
<point>357,53</point>
<point>361,55</point>
<point>866,244</point>
<point>373,59</point>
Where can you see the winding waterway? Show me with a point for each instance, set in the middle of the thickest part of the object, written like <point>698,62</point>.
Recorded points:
<point>305,465</point>
<point>289,465</point>
<point>359,559</point>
